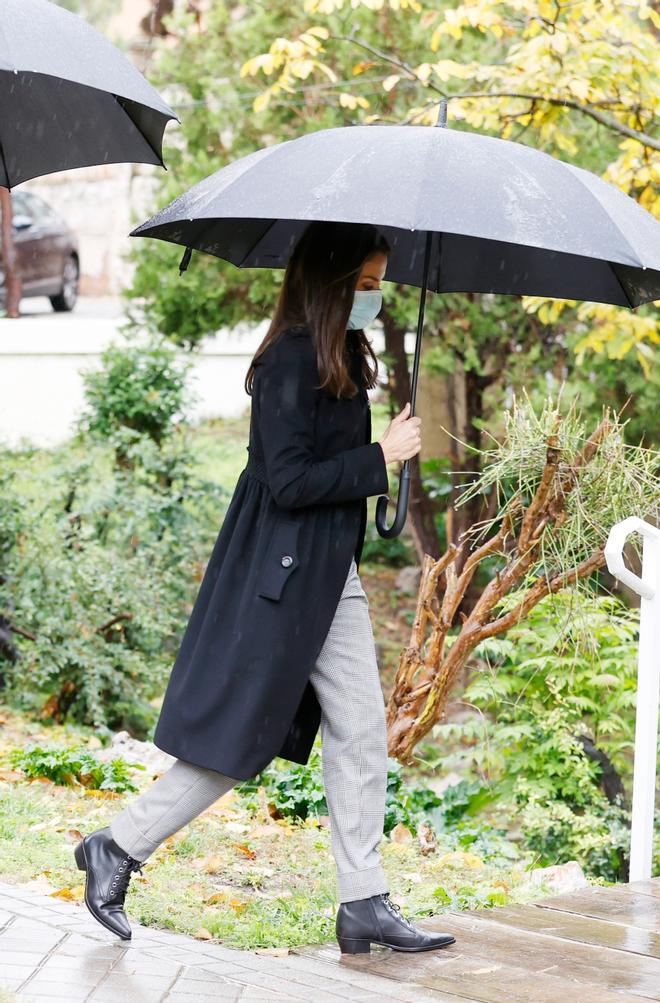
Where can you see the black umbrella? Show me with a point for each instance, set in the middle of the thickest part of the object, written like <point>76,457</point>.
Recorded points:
<point>462,212</point>
<point>69,98</point>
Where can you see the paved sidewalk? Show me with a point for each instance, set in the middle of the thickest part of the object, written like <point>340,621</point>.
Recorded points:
<point>53,951</point>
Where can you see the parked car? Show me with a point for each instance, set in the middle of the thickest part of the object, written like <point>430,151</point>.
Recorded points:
<point>46,250</point>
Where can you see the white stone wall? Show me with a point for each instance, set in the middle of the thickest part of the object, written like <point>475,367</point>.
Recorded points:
<point>42,355</point>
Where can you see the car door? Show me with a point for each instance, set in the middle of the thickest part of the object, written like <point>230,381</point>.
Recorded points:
<point>49,232</point>
<point>26,241</point>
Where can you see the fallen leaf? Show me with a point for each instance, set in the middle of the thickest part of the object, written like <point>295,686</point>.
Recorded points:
<point>217,897</point>
<point>246,850</point>
<point>273,952</point>
<point>75,894</point>
<point>73,835</point>
<point>401,833</point>
<point>237,905</point>
<point>211,865</point>
<point>461,858</point>
<point>203,934</point>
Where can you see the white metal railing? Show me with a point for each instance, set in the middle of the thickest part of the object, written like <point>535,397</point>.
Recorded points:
<point>648,682</point>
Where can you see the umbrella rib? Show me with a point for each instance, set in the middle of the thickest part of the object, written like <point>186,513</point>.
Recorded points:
<point>257,242</point>
<point>118,99</point>
<point>611,220</point>
<point>4,164</point>
<point>623,288</point>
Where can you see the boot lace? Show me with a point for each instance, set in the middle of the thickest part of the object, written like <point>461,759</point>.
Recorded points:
<point>395,909</point>
<point>122,876</point>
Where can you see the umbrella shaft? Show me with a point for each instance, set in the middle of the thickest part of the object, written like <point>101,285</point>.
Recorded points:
<point>420,320</point>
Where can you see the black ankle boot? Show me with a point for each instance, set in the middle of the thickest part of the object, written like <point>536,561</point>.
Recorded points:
<point>378,920</point>
<point>109,871</point>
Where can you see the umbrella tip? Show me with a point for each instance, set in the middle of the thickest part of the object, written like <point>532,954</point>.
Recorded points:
<point>185,260</point>
<point>442,113</point>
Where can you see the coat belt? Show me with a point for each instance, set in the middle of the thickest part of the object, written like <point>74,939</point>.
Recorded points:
<point>257,468</point>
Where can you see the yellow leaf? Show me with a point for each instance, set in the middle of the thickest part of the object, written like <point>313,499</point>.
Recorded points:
<point>390,82</point>
<point>579,87</point>
<point>319,31</point>
<point>217,897</point>
<point>401,833</point>
<point>261,101</point>
<point>203,934</point>
<point>347,100</point>
<point>75,894</point>
<point>460,858</point>
<point>302,68</point>
<point>237,905</point>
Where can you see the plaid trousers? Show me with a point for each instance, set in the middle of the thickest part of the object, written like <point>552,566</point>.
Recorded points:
<point>354,757</point>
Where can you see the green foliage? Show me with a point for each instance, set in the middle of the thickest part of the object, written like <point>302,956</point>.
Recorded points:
<point>297,791</point>
<point>569,670</point>
<point>74,765</point>
<point>618,384</point>
<point>394,552</point>
<point>100,578</point>
<point>201,67</point>
<point>598,836</point>
<point>138,388</point>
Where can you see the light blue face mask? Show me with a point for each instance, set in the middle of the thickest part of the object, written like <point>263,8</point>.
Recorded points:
<point>366,306</point>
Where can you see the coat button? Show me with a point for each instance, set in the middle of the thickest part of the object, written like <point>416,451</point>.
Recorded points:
<point>287,561</point>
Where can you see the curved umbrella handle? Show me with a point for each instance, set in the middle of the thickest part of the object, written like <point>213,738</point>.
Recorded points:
<point>401,507</point>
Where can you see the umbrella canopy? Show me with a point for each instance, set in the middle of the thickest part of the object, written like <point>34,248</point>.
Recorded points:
<point>69,98</point>
<point>504,217</point>
<point>462,212</point>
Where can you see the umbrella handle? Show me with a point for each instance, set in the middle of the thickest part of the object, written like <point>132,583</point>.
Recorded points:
<point>401,507</point>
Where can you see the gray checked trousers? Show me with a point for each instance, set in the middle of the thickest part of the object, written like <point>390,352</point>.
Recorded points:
<point>354,756</point>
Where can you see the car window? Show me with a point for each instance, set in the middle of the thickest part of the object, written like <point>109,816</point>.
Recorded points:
<point>20,205</point>
<point>40,211</point>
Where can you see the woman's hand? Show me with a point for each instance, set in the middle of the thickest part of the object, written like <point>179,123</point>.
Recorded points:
<point>403,437</point>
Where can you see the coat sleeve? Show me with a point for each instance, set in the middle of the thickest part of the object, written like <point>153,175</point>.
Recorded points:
<point>287,414</point>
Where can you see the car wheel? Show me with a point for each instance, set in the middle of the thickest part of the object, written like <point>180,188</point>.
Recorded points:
<point>66,299</point>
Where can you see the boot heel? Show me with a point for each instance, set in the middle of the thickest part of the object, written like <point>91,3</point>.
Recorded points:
<point>79,854</point>
<point>349,946</point>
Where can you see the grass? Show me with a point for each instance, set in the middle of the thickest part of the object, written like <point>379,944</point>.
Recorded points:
<point>233,874</point>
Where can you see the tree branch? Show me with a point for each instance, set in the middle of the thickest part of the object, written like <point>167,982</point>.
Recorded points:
<point>589,110</point>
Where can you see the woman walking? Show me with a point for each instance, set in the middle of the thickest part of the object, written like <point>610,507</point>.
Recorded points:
<point>280,639</point>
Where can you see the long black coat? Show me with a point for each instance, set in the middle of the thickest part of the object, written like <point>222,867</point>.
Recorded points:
<point>239,692</point>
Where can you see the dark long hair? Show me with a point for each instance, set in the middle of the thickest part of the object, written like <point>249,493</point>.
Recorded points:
<point>317,292</point>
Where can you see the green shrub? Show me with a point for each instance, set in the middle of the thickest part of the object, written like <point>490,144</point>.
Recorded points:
<point>71,766</point>
<point>139,392</point>
<point>99,580</point>
<point>558,701</point>
<point>297,791</point>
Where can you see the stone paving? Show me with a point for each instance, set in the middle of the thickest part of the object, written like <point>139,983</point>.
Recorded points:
<point>53,951</point>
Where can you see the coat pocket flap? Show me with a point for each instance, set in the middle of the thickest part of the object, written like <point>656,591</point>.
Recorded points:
<point>281,559</point>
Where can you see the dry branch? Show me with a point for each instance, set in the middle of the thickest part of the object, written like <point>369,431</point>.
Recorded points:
<point>428,667</point>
